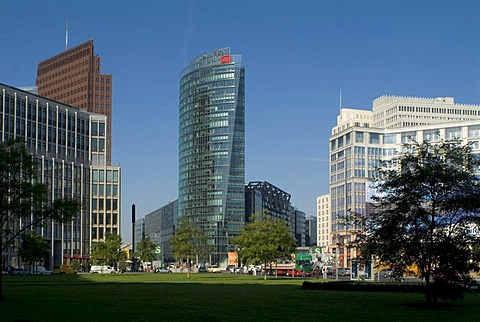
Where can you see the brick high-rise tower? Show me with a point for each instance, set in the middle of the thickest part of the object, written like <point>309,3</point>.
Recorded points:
<point>73,77</point>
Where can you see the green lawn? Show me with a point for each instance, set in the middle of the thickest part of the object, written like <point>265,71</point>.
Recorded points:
<point>208,297</point>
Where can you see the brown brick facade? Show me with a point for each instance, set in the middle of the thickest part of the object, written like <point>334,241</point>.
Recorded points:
<point>73,77</point>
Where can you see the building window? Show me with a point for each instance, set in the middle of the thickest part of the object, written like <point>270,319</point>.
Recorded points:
<point>431,135</point>
<point>359,137</point>
<point>474,131</point>
<point>409,136</point>
<point>374,138</point>
<point>390,139</point>
<point>453,133</point>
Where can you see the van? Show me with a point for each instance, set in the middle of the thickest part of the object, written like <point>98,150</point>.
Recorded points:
<point>102,269</point>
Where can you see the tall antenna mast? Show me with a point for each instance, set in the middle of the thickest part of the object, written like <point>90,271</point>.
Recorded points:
<point>66,35</point>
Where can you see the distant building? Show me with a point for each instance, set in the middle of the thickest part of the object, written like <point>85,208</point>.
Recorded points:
<point>169,214</point>
<point>311,229</point>
<point>30,89</point>
<point>73,77</point>
<point>264,199</point>
<point>212,148</point>
<point>139,232</point>
<point>153,226</point>
<point>323,222</point>
<point>160,226</point>
<point>299,227</point>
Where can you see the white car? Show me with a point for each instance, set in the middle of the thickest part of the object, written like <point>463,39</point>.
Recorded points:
<point>102,269</point>
<point>162,270</point>
<point>213,269</point>
<point>40,270</point>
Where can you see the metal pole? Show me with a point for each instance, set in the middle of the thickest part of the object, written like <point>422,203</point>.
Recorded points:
<point>337,257</point>
<point>133,238</point>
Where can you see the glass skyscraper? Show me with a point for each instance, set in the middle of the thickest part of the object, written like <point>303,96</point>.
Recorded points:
<point>212,148</point>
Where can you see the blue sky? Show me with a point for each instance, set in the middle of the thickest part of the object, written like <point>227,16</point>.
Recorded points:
<point>297,55</point>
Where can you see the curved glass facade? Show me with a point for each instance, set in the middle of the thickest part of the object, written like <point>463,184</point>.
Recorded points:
<point>212,147</point>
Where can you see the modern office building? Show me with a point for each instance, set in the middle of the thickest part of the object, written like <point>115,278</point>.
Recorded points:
<point>264,199</point>
<point>311,230</point>
<point>169,214</point>
<point>139,231</point>
<point>361,139</point>
<point>105,184</point>
<point>153,226</point>
<point>160,224</point>
<point>61,139</point>
<point>73,77</point>
<point>212,147</point>
<point>299,219</point>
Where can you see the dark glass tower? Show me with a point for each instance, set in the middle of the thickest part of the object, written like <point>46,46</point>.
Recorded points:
<point>211,190</point>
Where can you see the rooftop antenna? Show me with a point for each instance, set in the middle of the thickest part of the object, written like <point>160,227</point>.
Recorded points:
<point>66,35</point>
<point>340,100</point>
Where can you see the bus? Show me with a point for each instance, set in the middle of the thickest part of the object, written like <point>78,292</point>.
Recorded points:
<point>304,263</point>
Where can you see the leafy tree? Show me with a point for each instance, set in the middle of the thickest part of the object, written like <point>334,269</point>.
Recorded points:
<point>264,241</point>
<point>33,249</point>
<point>146,250</point>
<point>23,197</point>
<point>428,199</point>
<point>188,242</point>
<point>108,252</point>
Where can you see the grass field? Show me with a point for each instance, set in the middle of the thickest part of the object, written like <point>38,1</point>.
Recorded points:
<point>209,297</point>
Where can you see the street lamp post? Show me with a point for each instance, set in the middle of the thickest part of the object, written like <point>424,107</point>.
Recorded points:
<point>337,257</point>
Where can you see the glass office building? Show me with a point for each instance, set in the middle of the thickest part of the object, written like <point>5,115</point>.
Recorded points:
<point>212,147</point>
<point>68,145</point>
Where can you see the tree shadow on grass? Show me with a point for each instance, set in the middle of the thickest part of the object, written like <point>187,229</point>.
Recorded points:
<point>439,306</point>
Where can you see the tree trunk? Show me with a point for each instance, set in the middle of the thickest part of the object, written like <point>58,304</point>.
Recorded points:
<point>266,271</point>
<point>430,297</point>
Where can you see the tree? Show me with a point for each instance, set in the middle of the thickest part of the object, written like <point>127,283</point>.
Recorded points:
<point>24,198</point>
<point>146,250</point>
<point>428,198</point>
<point>33,248</point>
<point>188,242</point>
<point>264,241</point>
<point>108,252</point>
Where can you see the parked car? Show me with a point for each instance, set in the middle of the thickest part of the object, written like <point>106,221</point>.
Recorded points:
<point>102,269</point>
<point>344,271</point>
<point>213,269</point>
<point>40,270</point>
<point>19,271</point>
<point>202,269</point>
<point>162,270</point>
<point>387,273</point>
